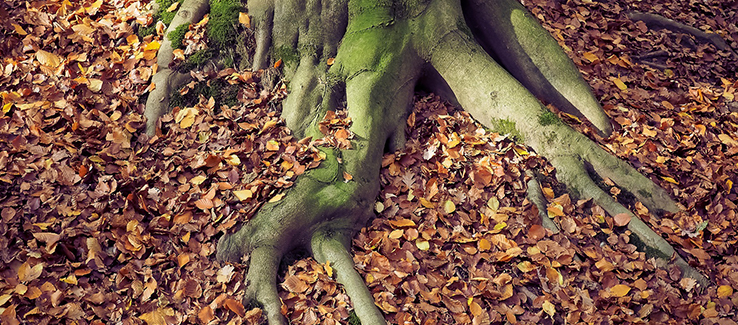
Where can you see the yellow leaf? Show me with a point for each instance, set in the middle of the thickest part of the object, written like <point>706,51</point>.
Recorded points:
<point>197,180</point>
<point>493,203</point>
<point>726,139</point>
<point>395,234</point>
<point>153,46</point>
<point>157,317</point>
<point>449,207</point>
<point>71,279</point>
<point>173,7</point>
<point>526,266</point>
<point>500,226</point>
<point>619,83</point>
<point>330,61</point>
<point>591,57</point>
<point>549,308</point>
<point>243,195</point>
<point>669,179</point>
<point>474,307</point>
<point>233,160</point>
<point>724,291</point>
<point>7,107</point>
<point>422,244</point>
<point>619,290</point>
<point>484,245</point>
<point>19,29</point>
<point>48,59</point>
<point>328,269</point>
<point>132,39</point>
<point>244,19</point>
<point>276,198</point>
<point>426,203</point>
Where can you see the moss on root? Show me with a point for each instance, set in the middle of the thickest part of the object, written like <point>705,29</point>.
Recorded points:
<point>223,15</point>
<point>507,127</point>
<point>177,36</point>
<point>288,55</point>
<point>547,118</point>
<point>223,93</point>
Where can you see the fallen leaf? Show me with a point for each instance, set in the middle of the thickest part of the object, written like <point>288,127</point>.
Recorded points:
<point>244,19</point>
<point>206,314</point>
<point>48,59</point>
<point>619,290</point>
<point>243,195</point>
<point>619,83</point>
<point>621,219</point>
<point>449,207</point>
<point>549,308</point>
<point>724,291</point>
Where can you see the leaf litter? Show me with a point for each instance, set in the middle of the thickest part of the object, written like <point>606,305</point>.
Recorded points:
<point>102,224</point>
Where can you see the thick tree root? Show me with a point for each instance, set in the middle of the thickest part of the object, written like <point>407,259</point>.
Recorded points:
<point>262,275</point>
<point>502,98</point>
<point>329,248</point>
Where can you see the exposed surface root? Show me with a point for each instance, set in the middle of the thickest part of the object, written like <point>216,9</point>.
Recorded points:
<point>260,282</point>
<point>329,248</point>
<point>657,21</point>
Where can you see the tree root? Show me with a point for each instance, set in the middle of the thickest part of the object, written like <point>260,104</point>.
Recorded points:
<point>328,248</point>
<point>658,21</point>
<point>260,279</point>
<point>166,80</point>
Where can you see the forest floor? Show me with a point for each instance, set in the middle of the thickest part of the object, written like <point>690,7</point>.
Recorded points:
<point>102,224</point>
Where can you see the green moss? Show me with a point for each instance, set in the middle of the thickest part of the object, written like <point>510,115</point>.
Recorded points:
<point>163,15</point>
<point>223,92</point>
<point>548,118</point>
<point>177,36</point>
<point>353,318</point>
<point>288,55</point>
<point>223,17</point>
<point>146,31</point>
<point>196,60</point>
<point>503,126</point>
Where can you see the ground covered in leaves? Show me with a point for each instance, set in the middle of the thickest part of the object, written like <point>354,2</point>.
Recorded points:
<point>101,224</point>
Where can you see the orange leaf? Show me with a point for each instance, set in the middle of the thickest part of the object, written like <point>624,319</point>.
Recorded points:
<point>235,306</point>
<point>621,219</point>
<point>619,290</point>
<point>278,63</point>
<point>206,315</point>
<point>619,83</point>
<point>402,223</point>
<point>347,177</point>
<point>591,57</point>
<point>244,19</point>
